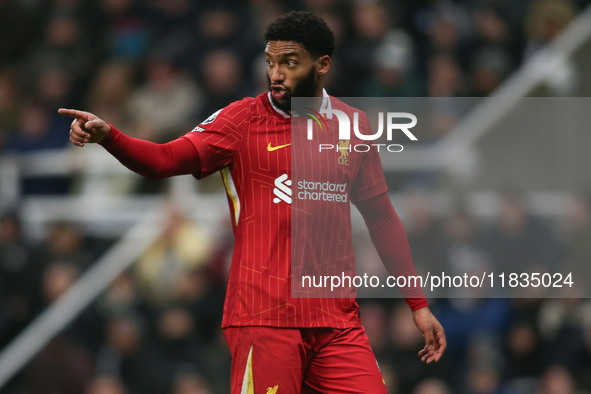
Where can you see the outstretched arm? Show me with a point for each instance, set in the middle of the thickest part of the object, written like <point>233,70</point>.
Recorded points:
<point>389,237</point>
<point>154,161</point>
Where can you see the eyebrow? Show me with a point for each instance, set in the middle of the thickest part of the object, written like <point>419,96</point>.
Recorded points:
<point>285,54</point>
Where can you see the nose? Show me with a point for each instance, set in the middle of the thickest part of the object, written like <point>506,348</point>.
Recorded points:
<point>275,74</point>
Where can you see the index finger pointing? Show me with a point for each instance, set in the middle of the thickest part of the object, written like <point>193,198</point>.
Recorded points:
<point>73,113</point>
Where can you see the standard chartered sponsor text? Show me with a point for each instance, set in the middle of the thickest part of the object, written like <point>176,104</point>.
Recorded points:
<point>322,191</point>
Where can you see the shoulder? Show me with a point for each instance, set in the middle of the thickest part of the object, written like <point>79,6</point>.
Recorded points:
<point>249,107</point>
<point>241,108</point>
<point>235,113</point>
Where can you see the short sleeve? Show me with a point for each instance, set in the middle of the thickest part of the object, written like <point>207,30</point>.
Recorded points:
<point>219,137</point>
<point>370,180</point>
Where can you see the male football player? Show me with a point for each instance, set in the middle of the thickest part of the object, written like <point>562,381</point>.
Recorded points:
<point>279,344</point>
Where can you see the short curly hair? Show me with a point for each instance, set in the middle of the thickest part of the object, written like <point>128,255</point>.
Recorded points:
<point>306,29</point>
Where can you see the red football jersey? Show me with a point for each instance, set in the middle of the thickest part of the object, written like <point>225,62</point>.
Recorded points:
<point>249,143</point>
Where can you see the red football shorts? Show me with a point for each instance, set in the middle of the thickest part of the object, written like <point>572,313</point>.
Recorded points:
<point>269,360</point>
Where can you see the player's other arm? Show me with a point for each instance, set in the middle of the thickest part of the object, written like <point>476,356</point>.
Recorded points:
<point>390,240</point>
<point>153,161</point>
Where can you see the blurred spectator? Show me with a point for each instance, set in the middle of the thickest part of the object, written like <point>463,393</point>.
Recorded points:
<point>188,380</point>
<point>370,22</point>
<point>87,328</point>
<point>374,320</point>
<point>39,130</point>
<point>121,297</point>
<point>467,320</point>
<point>204,299</point>
<point>125,354</point>
<point>557,380</point>
<point>57,279</point>
<point>15,288</point>
<point>424,233</point>
<point>10,102</point>
<point>445,78</point>
<point>62,48</point>
<point>216,362</point>
<point>333,81</point>
<point>490,66</point>
<point>432,386</point>
<point>448,27</point>
<point>389,375</point>
<point>53,86</point>
<point>494,33</point>
<point>484,381</point>
<point>166,101</point>
<point>582,366</point>
<point>171,20</point>
<point>14,253</point>
<point>394,74</point>
<point>17,28</point>
<point>183,247</point>
<point>221,27</point>
<point>545,20</point>
<point>465,255</point>
<point>578,242</point>
<point>105,384</point>
<point>525,358</point>
<point>61,367</point>
<point>519,242</point>
<point>126,35</point>
<point>223,81</point>
<point>561,323</point>
<point>176,343</point>
<point>110,92</point>
<point>461,230</point>
<point>405,340</point>
<point>64,244</point>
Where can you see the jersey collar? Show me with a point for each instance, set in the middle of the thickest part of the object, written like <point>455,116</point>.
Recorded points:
<point>326,104</point>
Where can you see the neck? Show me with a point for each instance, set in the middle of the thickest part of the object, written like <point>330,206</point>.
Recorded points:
<point>319,93</point>
<point>319,90</point>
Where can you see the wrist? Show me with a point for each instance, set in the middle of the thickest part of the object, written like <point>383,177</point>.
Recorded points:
<point>416,303</point>
<point>422,309</point>
<point>110,137</point>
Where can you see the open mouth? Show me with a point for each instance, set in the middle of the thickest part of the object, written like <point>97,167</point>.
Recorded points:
<point>278,92</point>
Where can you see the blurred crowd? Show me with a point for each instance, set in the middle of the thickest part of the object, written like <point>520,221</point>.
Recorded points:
<point>155,69</point>
<point>156,329</point>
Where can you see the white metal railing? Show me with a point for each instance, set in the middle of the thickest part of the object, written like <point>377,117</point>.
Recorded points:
<point>543,66</point>
<point>59,314</point>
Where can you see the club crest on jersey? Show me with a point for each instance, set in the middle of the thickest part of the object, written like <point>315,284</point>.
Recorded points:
<point>344,148</point>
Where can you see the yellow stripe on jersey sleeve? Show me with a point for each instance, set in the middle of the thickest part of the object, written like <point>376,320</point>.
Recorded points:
<point>231,191</point>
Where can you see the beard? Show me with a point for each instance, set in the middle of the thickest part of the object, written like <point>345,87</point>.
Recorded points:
<point>305,88</point>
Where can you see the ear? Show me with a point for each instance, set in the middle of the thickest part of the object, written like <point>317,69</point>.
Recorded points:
<point>323,65</point>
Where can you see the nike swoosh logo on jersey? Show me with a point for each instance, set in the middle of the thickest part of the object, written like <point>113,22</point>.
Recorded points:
<point>274,148</point>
